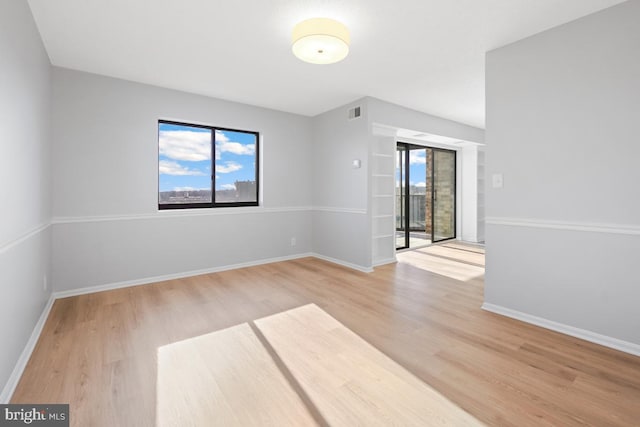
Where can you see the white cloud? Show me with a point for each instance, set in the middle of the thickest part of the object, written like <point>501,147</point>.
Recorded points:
<point>421,184</point>
<point>223,145</point>
<point>185,145</point>
<point>236,148</point>
<point>221,137</point>
<point>168,167</point>
<point>228,186</point>
<point>417,157</point>
<point>228,167</point>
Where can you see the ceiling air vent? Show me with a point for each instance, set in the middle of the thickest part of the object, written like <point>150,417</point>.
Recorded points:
<point>354,113</point>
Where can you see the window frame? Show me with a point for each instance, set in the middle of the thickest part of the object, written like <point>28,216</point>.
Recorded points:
<point>213,203</point>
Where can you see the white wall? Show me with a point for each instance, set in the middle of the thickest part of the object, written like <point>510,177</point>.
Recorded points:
<point>25,176</point>
<point>563,235</point>
<point>342,218</point>
<point>107,227</point>
<point>398,117</point>
<point>482,188</point>
<point>386,113</point>
<point>341,229</point>
<point>468,187</point>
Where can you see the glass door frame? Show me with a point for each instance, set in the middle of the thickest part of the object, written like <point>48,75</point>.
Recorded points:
<point>433,194</point>
<point>403,206</point>
<point>407,147</point>
<point>406,187</point>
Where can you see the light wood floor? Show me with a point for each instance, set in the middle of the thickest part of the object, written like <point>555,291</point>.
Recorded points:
<point>228,376</point>
<point>348,381</point>
<point>99,352</point>
<point>298,368</point>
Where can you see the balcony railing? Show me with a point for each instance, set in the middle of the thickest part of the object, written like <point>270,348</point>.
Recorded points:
<point>417,209</point>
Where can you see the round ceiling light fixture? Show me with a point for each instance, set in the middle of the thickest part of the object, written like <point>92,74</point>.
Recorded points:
<point>320,41</point>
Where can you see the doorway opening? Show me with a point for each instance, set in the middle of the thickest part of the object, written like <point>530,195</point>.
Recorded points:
<point>425,195</point>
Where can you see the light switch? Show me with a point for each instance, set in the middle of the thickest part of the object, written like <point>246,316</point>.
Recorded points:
<point>356,164</point>
<point>496,180</point>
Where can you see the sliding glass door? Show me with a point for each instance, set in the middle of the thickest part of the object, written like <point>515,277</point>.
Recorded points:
<point>413,196</point>
<point>425,195</point>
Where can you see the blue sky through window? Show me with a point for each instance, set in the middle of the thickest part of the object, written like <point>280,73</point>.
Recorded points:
<point>235,158</point>
<point>417,169</point>
<point>185,158</point>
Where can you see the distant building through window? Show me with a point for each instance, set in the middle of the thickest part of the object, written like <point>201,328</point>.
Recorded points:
<point>206,167</point>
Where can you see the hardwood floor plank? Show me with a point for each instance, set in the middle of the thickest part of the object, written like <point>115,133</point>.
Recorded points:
<point>225,378</point>
<point>349,381</point>
<point>98,352</point>
<point>456,253</point>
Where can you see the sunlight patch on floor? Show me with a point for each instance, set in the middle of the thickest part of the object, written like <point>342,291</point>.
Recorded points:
<point>299,367</point>
<point>224,378</point>
<point>454,261</point>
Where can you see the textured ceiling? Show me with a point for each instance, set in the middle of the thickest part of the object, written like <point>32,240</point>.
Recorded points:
<point>423,54</point>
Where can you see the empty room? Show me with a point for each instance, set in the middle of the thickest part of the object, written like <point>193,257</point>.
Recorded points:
<point>323,213</point>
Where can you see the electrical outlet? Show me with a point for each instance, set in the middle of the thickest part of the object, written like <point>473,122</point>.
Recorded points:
<point>45,284</point>
<point>293,241</point>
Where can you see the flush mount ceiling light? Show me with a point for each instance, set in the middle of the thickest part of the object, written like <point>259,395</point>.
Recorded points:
<point>320,41</point>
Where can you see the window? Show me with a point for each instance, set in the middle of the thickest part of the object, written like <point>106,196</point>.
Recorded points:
<point>195,160</point>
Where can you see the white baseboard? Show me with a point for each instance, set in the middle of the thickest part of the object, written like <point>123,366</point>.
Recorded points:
<point>173,276</point>
<point>625,346</point>
<point>181,275</point>
<point>21,364</point>
<point>385,261</point>
<point>15,376</point>
<point>343,263</point>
